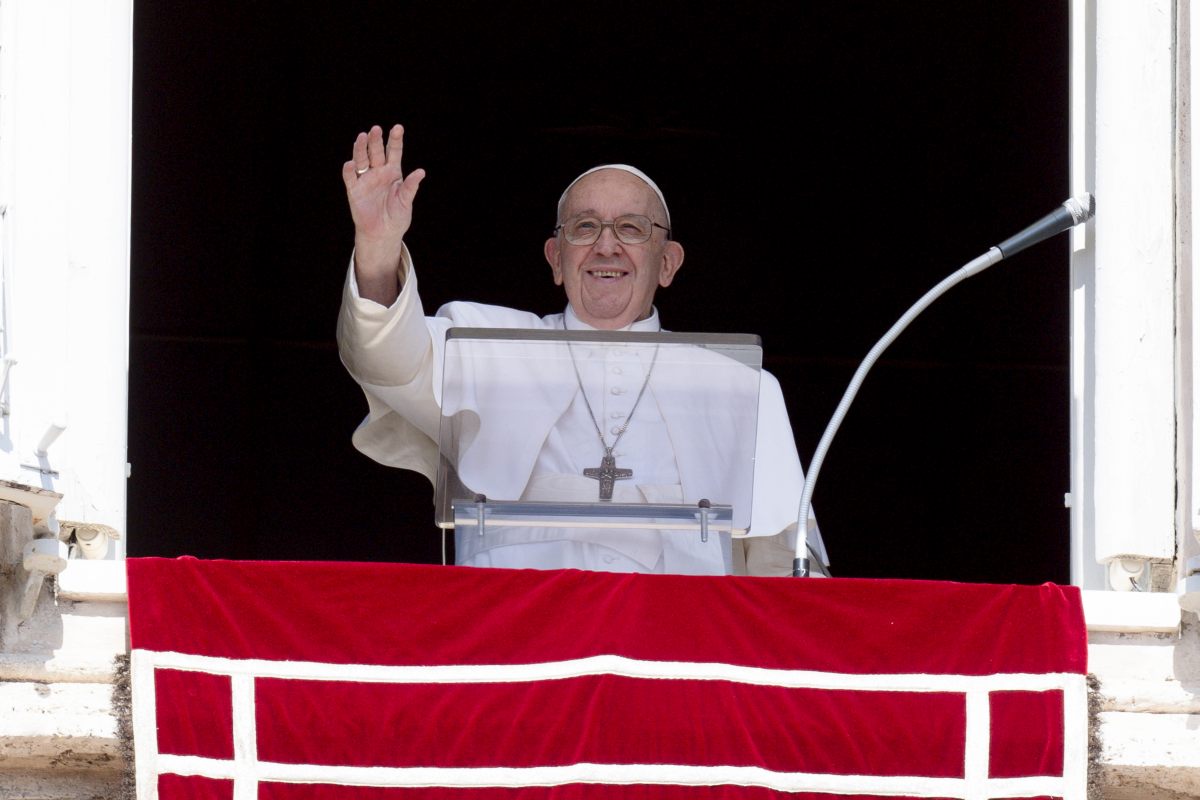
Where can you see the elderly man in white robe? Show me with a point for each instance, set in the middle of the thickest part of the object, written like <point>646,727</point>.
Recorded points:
<point>611,250</point>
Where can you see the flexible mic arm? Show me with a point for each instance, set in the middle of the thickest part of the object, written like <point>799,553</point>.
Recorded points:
<point>1068,215</point>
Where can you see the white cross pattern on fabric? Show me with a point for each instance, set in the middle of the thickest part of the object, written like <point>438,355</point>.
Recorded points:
<point>246,771</point>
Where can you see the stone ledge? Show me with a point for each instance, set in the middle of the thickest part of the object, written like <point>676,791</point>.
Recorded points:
<point>90,784</point>
<point>73,668</point>
<point>1143,783</point>
<point>1149,756</point>
<point>68,643</point>
<point>1133,612</point>
<point>93,581</point>
<point>58,725</point>
<point>1148,697</point>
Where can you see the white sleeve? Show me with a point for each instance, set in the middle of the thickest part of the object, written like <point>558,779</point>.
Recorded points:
<point>388,350</point>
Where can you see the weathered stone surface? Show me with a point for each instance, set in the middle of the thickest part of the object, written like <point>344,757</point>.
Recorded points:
<point>57,725</point>
<point>16,528</point>
<point>1150,756</point>
<point>64,784</point>
<point>67,642</point>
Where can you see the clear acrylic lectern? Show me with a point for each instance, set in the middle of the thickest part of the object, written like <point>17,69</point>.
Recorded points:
<point>548,431</point>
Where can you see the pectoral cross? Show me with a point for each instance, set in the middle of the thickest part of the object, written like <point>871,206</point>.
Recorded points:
<point>607,473</point>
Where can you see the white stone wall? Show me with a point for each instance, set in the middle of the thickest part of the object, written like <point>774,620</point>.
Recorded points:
<point>58,721</point>
<point>65,138</point>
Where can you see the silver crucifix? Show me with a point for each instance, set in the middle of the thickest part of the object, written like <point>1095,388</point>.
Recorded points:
<point>607,473</point>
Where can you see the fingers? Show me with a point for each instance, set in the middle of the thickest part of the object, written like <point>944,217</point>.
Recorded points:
<point>360,159</point>
<point>375,152</point>
<point>395,144</point>
<point>407,190</point>
<point>380,195</point>
<point>349,174</point>
<point>370,151</point>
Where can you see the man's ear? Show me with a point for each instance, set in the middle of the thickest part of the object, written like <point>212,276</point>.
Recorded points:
<point>551,251</point>
<point>672,260</point>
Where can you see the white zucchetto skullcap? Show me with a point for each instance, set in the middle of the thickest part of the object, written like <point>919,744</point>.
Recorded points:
<point>625,168</point>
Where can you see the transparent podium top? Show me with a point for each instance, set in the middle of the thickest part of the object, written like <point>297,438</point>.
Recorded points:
<point>598,428</point>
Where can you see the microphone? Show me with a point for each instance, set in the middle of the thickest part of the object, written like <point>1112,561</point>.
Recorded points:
<point>1067,216</point>
<point>1071,213</point>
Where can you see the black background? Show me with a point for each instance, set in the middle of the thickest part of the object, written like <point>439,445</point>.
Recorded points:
<point>826,164</point>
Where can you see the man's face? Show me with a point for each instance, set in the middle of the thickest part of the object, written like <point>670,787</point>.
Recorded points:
<point>609,283</point>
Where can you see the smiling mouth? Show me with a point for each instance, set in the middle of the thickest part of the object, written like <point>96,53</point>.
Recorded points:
<point>606,273</point>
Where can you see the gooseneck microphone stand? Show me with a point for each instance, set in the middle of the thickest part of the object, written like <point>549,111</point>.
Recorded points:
<point>1068,215</point>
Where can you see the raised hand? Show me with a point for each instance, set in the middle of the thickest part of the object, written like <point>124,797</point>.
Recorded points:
<point>381,203</point>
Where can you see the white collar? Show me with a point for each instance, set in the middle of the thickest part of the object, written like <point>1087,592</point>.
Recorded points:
<point>650,324</point>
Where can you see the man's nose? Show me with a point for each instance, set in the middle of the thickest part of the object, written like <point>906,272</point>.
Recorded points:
<point>608,243</point>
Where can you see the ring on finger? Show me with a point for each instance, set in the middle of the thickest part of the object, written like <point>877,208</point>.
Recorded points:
<point>360,170</point>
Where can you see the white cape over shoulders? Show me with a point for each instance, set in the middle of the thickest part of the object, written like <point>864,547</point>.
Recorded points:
<point>396,354</point>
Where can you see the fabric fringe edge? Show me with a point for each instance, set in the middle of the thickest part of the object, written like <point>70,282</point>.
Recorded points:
<point>122,702</point>
<point>1095,791</point>
<point>122,697</point>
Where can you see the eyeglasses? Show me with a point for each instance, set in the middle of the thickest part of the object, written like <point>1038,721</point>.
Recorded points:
<point>629,228</point>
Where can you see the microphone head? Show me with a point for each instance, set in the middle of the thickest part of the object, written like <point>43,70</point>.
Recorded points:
<point>1081,208</point>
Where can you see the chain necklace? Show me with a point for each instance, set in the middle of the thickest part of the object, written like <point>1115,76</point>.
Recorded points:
<point>608,472</point>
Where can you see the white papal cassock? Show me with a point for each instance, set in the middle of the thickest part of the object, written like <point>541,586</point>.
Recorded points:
<point>396,355</point>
